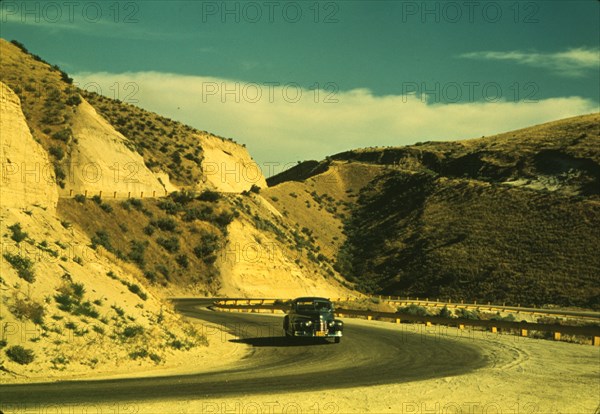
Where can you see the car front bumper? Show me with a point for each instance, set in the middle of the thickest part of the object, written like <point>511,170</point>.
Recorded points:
<point>318,334</point>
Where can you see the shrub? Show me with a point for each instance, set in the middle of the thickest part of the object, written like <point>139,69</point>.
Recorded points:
<point>210,244</point>
<point>224,219</point>
<point>86,309</point>
<point>136,203</point>
<point>171,244</point>
<point>195,213</point>
<point>28,309</point>
<point>445,312</point>
<point>133,288</point>
<point>80,198</point>
<point>73,100</point>
<point>139,353</point>
<point>414,310</point>
<point>63,135</point>
<point>78,290</point>
<point>57,152</point>
<point>20,46</point>
<point>22,265</point>
<point>59,174</point>
<point>108,208</point>
<point>132,330</point>
<point>169,206</point>
<point>182,261</point>
<point>209,195</point>
<point>166,224</point>
<point>101,239</point>
<point>136,254</point>
<point>182,197</point>
<point>255,189</point>
<point>467,314</point>
<point>118,310</point>
<point>177,344</point>
<point>510,317</point>
<point>18,234</point>
<point>65,298</point>
<point>69,299</point>
<point>151,276</point>
<point>149,230</point>
<point>20,355</point>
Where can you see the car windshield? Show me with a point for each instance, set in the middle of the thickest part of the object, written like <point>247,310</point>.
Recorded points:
<point>312,305</point>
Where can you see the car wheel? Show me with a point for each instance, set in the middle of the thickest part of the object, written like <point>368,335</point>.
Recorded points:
<point>338,339</point>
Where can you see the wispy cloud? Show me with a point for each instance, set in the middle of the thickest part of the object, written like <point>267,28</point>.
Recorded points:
<point>574,62</point>
<point>277,126</point>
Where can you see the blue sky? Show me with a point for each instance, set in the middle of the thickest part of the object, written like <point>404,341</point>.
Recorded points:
<point>307,79</point>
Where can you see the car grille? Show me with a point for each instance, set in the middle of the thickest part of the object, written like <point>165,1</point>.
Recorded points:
<point>321,325</point>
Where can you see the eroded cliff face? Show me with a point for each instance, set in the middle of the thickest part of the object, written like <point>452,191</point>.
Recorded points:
<point>27,174</point>
<point>228,167</point>
<point>101,160</point>
<point>268,268</point>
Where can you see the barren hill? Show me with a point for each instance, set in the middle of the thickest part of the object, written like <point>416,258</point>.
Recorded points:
<point>510,218</point>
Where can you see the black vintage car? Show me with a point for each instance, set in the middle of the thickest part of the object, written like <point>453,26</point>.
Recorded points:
<point>312,317</point>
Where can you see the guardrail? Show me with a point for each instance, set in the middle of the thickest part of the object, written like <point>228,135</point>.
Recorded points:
<point>489,307</point>
<point>521,328</point>
<point>113,194</point>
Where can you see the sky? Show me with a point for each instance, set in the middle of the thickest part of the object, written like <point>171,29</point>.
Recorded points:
<point>297,80</point>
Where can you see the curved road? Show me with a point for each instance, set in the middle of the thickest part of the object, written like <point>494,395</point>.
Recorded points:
<point>366,356</point>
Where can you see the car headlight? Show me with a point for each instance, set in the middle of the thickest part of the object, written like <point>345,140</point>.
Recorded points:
<point>308,323</point>
<point>339,323</point>
<point>331,324</point>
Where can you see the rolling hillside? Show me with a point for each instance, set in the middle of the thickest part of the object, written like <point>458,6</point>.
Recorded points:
<point>510,218</point>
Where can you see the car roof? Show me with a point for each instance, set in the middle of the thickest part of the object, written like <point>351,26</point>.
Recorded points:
<point>311,298</point>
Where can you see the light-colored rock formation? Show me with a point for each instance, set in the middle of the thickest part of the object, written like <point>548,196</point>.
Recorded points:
<point>101,160</point>
<point>228,167</point>
<point>27,174</point>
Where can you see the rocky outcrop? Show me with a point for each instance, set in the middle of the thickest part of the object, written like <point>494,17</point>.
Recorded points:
<point>102,159</point>
<point>27,174</point>
<point>227,166</point>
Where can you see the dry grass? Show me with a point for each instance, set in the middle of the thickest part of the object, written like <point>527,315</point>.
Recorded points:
<point>510,218</point>
<point>158,236</point>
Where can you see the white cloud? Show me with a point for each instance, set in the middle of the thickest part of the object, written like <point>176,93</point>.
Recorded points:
<point>276,130</point>
<point>572,62</point>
